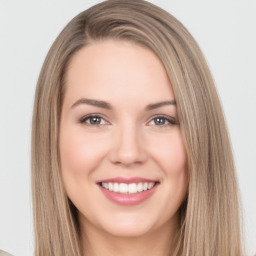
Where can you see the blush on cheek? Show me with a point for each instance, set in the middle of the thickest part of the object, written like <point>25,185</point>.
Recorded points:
<point>80,154</point>
<point>72,154</point>
<point>172,157</point>
<point>74,160</point>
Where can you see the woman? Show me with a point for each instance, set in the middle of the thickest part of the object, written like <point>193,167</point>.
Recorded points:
<point>130,152</point>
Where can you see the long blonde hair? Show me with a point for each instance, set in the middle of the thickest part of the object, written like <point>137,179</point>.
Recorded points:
<point>209,216</point>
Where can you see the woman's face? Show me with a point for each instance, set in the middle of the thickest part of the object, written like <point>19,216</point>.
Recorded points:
<point>122,154</point>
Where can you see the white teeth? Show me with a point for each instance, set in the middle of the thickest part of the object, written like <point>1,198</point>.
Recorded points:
<point>104,185</point>
<point>150,185</point>
<point>131,188</point>
<point>140,187</point>
<point>123,188</point>
<point>116,187</point>
<point>110,186</point>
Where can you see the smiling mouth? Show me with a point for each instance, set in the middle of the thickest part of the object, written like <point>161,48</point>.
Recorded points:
<point>131,188</point>
<point>128,191</point>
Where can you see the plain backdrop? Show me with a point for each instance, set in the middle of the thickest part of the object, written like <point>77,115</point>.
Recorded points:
<point>226,32</point>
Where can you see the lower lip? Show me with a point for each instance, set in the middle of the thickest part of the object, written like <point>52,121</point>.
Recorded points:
<point>128,199</point>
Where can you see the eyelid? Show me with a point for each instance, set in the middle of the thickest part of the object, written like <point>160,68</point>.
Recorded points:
<point>170,119</point>
<point>83,119</point>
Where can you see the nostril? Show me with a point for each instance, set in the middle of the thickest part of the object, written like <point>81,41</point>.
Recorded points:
<point>128,156</point>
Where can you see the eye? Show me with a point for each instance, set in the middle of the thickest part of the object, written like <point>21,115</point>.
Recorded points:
<point>162,121</point>
<point>93,120</point>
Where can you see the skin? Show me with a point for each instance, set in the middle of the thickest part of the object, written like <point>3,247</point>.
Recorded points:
<point>128,141</point>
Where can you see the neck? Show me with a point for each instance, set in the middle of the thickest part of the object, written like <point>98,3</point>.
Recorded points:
<point>98,242</point>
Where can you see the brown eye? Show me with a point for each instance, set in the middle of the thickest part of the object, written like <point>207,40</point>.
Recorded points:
<point>94,120</point>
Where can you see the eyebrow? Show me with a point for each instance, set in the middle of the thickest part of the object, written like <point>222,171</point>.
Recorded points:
<point>160,104</point>
<point>96,103</point>
<point>106,105</point>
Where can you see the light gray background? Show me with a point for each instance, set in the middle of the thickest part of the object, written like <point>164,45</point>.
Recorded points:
<point>226,32</point>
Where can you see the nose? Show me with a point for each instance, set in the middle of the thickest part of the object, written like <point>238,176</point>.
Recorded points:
<point>128,147</point>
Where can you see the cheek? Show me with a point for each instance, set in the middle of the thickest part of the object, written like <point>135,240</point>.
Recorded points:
<point>173,160</point>
<point>73,155</point>
<point>80,156</point>
<point>79,153</point>
<point>170,154</point>
<point>171,157</point>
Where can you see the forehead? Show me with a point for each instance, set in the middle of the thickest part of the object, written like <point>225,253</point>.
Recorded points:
<point>113,70</point>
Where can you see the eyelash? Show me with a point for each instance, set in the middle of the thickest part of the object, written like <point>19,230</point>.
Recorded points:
<point>88,117</point>
<point>170,120</point>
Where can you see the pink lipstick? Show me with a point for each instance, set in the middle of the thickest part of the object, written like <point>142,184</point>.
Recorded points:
<point>128,191</point>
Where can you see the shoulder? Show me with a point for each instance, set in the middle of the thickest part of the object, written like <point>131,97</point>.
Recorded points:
<point>3,253</point>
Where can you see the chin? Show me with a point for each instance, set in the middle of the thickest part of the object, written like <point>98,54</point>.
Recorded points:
<point>128,225</point>
<point>126,231</point>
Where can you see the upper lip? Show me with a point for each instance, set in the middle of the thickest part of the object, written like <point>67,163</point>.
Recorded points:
<point>127,180</point>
